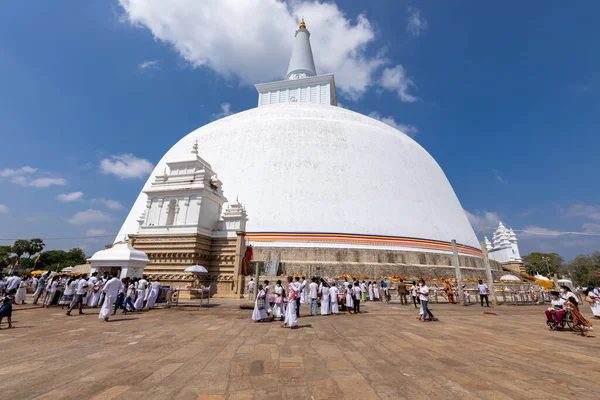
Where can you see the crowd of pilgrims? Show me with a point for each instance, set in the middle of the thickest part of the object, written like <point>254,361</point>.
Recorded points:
<point>284,302</point>
<point>78,292</point>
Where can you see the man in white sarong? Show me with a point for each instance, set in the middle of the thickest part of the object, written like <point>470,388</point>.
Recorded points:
<point>154,292</point>
<point>304,293</point>
<point>94,290</point>
<point>333,300</point>
<point>111,289</point>
<point>324,299</point>
<point>141,293</point>
<point>291,320</point>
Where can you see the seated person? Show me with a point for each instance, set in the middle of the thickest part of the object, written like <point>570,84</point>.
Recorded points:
<point>556,313</point>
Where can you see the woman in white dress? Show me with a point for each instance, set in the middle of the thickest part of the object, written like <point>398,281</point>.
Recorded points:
<point>260,314</point>
<point>349,302</point>
<point>376,292</point>
<point>333,299</point>
<point>154,291</point>
<point>21,292</point>
<point>595,295</point>
<point>278,311</point>
<point>371,295</point>
<point>324,299</point>
<point>69,293</point>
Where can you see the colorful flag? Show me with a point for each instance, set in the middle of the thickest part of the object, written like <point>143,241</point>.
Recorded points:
<point>37,259</point>
<point>17,264</point>
<point>10,266</point>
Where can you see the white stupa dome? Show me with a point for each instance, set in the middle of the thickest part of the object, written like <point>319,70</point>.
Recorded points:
<point>314,169</point>
<point>311,174</point>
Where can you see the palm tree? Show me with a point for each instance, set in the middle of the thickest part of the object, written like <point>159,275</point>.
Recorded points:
<point>35,246</point>
<point>20,247</point>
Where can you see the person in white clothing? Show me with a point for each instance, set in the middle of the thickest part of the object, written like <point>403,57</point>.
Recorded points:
<point>349,304</point>
<point>424,296</point>
<point>154,291</point>
<point>304,292</point>
<point>21,295</point>
<point>594,295</point>
<point>314,296</point>
<point>324,299</point>
<point>333,299</point>
<point>79,295</point>
<point>483,293</point>
<point>376,291</point>
<point>291,318</point>
<point>260,314</point>
<point>278,311</point>
<point>251,286</point>
<point>371,295</point>
<point>95,286</point>
<point>110,289</point>
<point>141,293</point>
<point>12,283</point>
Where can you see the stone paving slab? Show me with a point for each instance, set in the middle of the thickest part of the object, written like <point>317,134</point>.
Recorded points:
<point>219,353</point>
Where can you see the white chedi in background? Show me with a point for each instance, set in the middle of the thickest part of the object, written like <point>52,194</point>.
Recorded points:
<point>187,198</point>
<point>505,248</point>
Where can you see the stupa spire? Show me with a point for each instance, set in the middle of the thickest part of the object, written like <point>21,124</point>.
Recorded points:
<point>302,64</point>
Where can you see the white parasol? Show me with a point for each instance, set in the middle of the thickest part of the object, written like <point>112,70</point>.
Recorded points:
<point>541,277</point>
<point>196,269</point>
<point>510,278</point>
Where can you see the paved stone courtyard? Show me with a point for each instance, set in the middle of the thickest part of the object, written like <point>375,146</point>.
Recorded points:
<point>218,352</point>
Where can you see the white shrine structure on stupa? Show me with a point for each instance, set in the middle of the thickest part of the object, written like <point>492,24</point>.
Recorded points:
<point>504,249</point>
<point>328,191</point>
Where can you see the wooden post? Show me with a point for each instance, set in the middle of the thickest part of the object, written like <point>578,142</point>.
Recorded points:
<point>456,262</point>
<point>488,273</point>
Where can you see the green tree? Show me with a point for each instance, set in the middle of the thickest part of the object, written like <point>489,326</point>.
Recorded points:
<point>584,269</point>
<point>35,246</point>
<point>58,259</point>
<point>5,252</point>
<point>543,263</point>
<point>20,247</point>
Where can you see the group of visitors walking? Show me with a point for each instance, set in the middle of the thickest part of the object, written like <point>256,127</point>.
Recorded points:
<point>79,292</point>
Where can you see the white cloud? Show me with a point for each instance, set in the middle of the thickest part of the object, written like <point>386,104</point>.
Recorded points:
<point>486,219</point>
<point>409,130</point>
<point>253,39</point>
<point>112,204</point>
<point>87,216</point>
<point>591,228</point>
<point>498,177</point>
<point>395,80</point>
<point>225,111</point>
<point>95,232</point>
<point>70,197</point>
<point>531,231</point>
<point>3,209</point>
<point>148,65</point>
<point>7,172</point>
<point>126,166</point>
<point>585,211</point>
<point>38,182</point>
<point>415,24</point>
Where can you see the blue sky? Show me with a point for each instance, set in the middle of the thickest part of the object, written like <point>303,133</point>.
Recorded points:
<point>502,97</point>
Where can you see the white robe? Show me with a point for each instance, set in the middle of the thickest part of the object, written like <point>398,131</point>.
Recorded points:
<point>304,293</point>
<point>278,310</point>
<point>258,314</point>
<point>325,300</point>
<point>371,292</point>
<point>376,292</point>
<point>349,301</point>
<point>139,299</point>
<point>290,314</point>
<point>94,296</point>
<point>595,306</point>
<point>333,300</point>
<point>154,290</point>
<point>107,306</point>
<point>21,293</point>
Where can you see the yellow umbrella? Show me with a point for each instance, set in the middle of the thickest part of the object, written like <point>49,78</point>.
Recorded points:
<point>38,272</point>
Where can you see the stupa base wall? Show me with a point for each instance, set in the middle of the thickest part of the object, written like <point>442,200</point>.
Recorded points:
<point>366,262</point>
